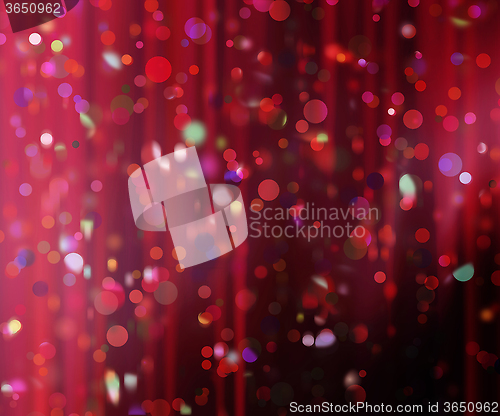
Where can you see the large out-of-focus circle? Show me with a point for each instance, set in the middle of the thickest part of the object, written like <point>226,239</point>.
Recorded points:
<point>245,299</point>
<point>166,293</point>
<point>204,242</point>
<point>465,178</point>
<point>74,262</point>
<point>56,66</point>
<point>153,215</point>
<point>40,288</point>
<point>160,408</point>
<point>23,96</point>
<point>375,180</point>
<point>279,10</point>
<point>158,69</point>
<point>355,394</point>
<point>117,336</point>
<point>450,123</point>
<point>106,302</point>
<point>408,31</point>
<point>262,5</point>
<point>222,196</point>
<point>315,111</point>
<point>268,190</point>
<point>450,164</point>
<point>195,28</point>
<point>47,350</point>
<point>413,119</point>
